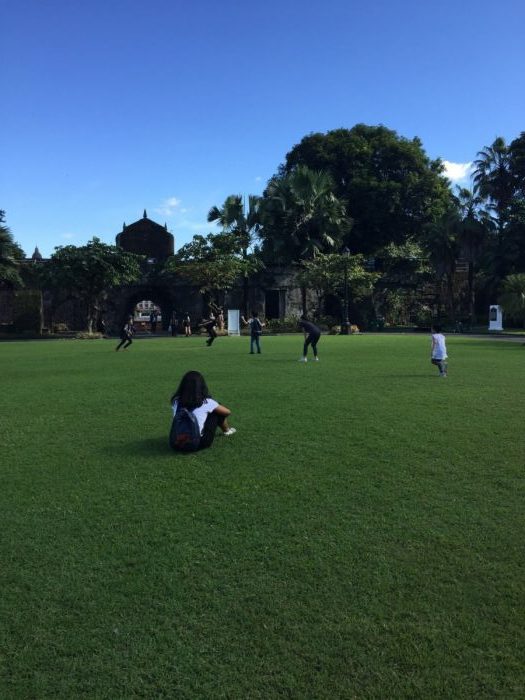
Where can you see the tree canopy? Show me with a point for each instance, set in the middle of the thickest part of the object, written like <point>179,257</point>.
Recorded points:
<point>301,216</point>
<point>89,272</point>
<point>213,262</point>
<point>390,187</point>
<point>10,256</point>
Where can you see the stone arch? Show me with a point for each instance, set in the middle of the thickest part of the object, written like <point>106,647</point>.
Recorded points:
<point>122,302</point>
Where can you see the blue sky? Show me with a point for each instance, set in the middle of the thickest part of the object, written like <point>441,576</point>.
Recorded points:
<point>113,106</point>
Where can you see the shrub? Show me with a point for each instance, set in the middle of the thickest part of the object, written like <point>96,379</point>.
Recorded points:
<point>283,325</point>
<point>84,335</point>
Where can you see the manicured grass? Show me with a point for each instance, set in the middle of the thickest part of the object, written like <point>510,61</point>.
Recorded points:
<point>361,536</point>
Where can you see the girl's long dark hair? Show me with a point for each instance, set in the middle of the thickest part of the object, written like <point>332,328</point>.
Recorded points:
<point>192,391</point>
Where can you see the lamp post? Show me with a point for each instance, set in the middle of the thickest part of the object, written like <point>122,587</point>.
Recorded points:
<point>345,325</point>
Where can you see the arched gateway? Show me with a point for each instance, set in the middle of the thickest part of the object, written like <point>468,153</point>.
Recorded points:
<point>144,237</point>
<point>272,291</point>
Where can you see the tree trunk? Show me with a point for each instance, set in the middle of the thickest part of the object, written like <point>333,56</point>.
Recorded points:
<point>471,294</point>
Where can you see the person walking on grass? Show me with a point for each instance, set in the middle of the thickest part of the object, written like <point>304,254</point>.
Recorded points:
<point>438,355</point>
<point>311,337</point>
<point>209,324</point>
<point>256,327</point>
<point>196,415</point>
<point>186,324</point>
<point>126,335</point>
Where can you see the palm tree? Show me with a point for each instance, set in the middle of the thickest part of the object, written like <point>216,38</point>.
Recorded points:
<point>310,217</point>
<point>512,298</point>
<point>10,256</point>
<point>302,216</point>
<point>472,236</point>
<point>235,218</point>
<point>493,180</point>
<point>441,244</point>
<point>243,223</point>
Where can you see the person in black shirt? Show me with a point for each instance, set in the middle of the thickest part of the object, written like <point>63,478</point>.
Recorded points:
<point>256,327</point>
<point>311,337</point>
<point>126,335</point>
<point>210,324</point>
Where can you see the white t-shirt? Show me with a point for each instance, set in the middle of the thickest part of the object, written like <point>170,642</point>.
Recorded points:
<point>200,413</point>
<point>439,348</point>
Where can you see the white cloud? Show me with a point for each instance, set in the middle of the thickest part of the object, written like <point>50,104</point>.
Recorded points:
<point>457,171</point>
<point>258,178</point>
<point>168,206</point>
<point>68,236</point>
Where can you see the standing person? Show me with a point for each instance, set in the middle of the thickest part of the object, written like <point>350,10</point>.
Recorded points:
<point>311,337</point>
<point>256,327</point>
<point>438,355</point>
<point>210,324</point>
<point>186,324</point>
<point>220,320</point>
<point>206,415</point>
<point>126,335</point>
<point>173,324</point>
<point>153,321</point>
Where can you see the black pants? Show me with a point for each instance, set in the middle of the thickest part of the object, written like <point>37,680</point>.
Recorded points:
<point>212,333</point>
<point>213,421</point>
<point>311,340</point>
<point>124,339</point>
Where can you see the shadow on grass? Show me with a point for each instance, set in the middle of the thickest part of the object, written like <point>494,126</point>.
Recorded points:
<point>142,447</point>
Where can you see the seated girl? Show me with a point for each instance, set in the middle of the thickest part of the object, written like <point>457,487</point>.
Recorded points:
<point>193,395</point>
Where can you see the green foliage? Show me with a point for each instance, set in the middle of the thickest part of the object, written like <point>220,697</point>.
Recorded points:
<point>493,180</point>
<point>234,218</point>
<point>288,324</point>
<point>326,274</point>
<point>390,187</point>
<point>301,216</point>
<point>27,311</point>
<point>10,256</point>
<point>214,262</point>
<point>89,272</point>
<point>512,298</point>
<point>378,556</point>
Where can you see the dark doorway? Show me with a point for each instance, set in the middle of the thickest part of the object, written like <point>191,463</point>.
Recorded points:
<point>271,303</point>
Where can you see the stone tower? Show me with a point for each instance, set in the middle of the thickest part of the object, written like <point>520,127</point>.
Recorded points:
<point>145,237</point>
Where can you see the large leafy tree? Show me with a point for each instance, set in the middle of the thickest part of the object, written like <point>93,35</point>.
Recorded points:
<point>10,256</point>
<point>404,288</point>
<point>89,272</point>
<point>328,273</point>
<point>390,186</point>
<point>302,216</point>
<point>213,262</point>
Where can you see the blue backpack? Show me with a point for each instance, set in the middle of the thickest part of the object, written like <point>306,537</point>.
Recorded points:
<point>185,434</point>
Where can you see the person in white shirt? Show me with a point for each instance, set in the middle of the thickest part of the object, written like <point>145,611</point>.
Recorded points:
<point>193,395</point>
<point>438,354</point>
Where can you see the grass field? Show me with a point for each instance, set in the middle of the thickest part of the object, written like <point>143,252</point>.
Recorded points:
<point>361,536</point>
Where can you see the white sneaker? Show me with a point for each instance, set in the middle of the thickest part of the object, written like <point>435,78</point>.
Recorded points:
<point>317,359</point>
<point>303,359</point>
<point>230,431</point>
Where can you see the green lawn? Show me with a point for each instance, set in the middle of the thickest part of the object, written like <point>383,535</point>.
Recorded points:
<point>361,536</point>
